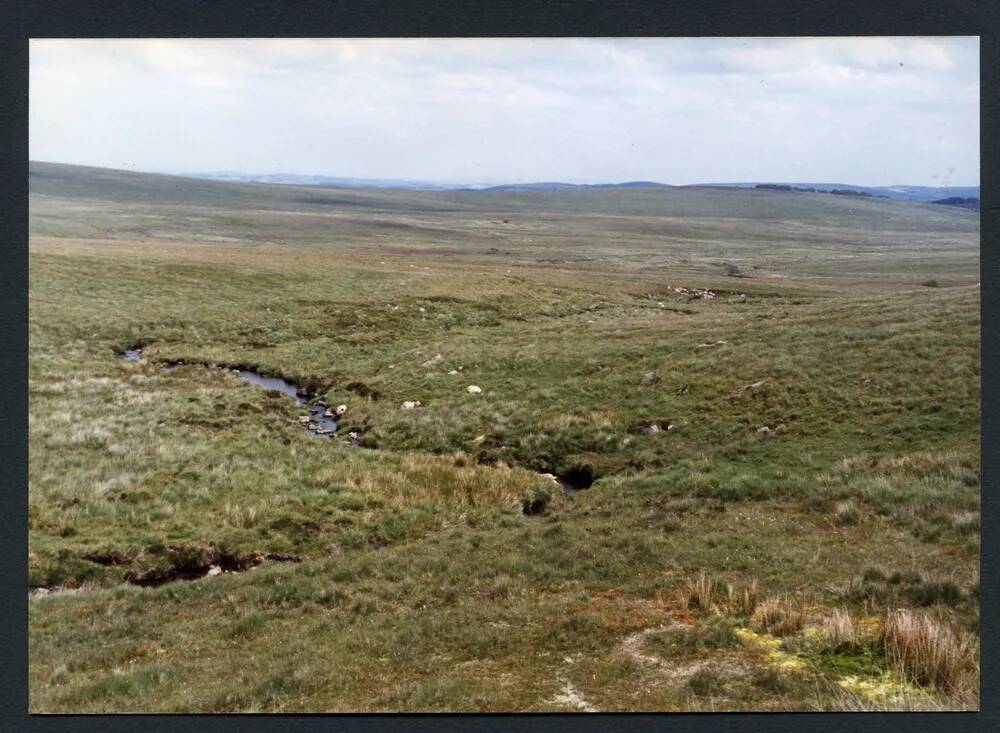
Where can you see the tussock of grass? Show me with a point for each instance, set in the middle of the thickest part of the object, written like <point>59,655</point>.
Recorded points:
<point>839,629</point>
<point>877,589</point>
<point>779,616</point>
<point>928,651</point>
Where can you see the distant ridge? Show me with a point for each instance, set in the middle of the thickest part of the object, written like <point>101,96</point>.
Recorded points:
<point>297,179</point>
<point>557,186</point>
<point>920,194</point>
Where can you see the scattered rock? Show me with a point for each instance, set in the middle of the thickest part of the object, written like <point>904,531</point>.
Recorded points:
<point>304,419</point>
<point>653,427</point>
<point>473,389</point>
<point>213,571</point>
<point>453,372</point>
<point>765,430</point>
<point>410,404</point>
<point>433,361</point>
<point>550,476</point>
<point>341,410</point>
<point>755,385</point>
<point>649,377</point>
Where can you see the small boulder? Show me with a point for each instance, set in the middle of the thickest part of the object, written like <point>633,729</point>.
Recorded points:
<point>756,384</point>
<point>453,372</point>
<point>341,410</point>
<point>304,419</point>
<point>650,429</point>
<point>649,377</point>
<point>213,571</point>
<point>764,430</point>
<point>473,389</point>
<point>410,404</point>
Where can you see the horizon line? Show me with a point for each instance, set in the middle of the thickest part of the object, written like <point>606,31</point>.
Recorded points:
<point>554,181</point>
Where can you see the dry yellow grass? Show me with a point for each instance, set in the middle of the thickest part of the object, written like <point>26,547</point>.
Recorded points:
<point>928,651</point>
<point>779,616</point>
<point>839,628</point>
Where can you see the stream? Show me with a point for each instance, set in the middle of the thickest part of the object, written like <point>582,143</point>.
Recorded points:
<point>318,420</point>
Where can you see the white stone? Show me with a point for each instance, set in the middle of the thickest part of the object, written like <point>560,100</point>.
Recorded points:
<point>473,389</point>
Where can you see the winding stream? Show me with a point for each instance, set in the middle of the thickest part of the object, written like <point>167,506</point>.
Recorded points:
<point>318,420</point>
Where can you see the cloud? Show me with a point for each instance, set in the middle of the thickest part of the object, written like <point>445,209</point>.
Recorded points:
<point>860,110</point>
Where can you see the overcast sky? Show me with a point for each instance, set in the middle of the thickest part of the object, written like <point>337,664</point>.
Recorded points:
<point>872,111</point>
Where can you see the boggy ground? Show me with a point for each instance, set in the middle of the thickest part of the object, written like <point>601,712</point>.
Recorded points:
<point>821,460</point>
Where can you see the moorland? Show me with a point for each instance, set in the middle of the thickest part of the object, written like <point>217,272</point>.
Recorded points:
<point>723,454</point>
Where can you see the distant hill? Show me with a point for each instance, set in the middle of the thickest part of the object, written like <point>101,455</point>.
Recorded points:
<point>965,203</point>
<point>634,199</point>
<point>558,186</point>
<point>923,194</point>
<point>296,179</point>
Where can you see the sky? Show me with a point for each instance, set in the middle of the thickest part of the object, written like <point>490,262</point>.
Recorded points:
<point>867,111</point>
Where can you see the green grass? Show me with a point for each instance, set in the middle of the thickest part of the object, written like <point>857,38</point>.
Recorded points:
<point>423,585</point>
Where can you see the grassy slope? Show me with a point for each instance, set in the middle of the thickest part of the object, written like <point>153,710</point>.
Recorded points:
<point>439,581</point>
